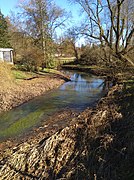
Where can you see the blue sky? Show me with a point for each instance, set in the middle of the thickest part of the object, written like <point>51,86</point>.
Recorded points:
<point>11,4</point>
<point>7,5</point>
<point>74,9</point>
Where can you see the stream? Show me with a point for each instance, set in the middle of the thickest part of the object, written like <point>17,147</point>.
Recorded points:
<point>81,92</point>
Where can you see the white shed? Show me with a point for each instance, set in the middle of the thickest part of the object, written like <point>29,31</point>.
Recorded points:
<point>6,55</point>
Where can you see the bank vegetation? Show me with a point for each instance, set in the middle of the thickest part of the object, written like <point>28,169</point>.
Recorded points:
<point>99,142</point>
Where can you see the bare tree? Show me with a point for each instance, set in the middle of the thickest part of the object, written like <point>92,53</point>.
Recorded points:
<point>107,22</point>
<point>39,20</point>
<point>72,36</point>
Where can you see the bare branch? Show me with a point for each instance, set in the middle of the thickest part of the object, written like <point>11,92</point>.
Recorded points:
<point>112,16</point>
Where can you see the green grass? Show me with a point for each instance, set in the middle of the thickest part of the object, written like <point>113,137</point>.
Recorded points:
<point>53,71</point>
<point>17,74</point>
<point>65,58</point>
<point>61,60</point>
<point>83,66</point>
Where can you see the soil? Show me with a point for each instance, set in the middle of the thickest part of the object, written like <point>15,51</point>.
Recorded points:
<point>23,90</point>
<point>51,125</point>
<point>95,144</point>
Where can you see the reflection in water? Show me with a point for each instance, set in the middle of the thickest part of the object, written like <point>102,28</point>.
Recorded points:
<point>82,91</point>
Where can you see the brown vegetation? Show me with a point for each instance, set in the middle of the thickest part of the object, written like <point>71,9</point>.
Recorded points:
<point>97,145</point>
<point>110,23</point>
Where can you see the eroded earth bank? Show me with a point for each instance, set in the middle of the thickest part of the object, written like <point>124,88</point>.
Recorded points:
<point>96,144</point>
<point>14,92</point>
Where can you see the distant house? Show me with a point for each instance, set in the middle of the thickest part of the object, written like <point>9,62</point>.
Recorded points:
<point>6,55</point>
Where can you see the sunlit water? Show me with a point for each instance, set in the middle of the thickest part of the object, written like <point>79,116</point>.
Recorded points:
<point>82,91</point>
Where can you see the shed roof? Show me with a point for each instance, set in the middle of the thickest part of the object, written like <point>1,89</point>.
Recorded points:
<point>6,49</point>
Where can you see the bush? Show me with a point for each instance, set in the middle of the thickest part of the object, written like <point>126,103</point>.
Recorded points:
<point>91,56</point>
<point>31,59</point>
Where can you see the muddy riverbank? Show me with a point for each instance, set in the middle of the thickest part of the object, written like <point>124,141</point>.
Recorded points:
<point>17,93</point>
<point>96,144</point>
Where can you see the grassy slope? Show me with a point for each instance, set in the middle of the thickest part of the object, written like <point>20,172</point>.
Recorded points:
<point>9,75</point>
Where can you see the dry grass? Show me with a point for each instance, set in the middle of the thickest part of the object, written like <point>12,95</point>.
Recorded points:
<point>6,76</point>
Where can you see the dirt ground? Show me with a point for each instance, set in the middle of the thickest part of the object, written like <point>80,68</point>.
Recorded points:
<point>95,144</point>
<point>23,90</point>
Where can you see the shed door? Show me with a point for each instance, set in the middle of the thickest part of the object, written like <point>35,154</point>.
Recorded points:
<point>7,56</point>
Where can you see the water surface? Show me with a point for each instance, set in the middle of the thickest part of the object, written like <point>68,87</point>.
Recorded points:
<point>82,91</point>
